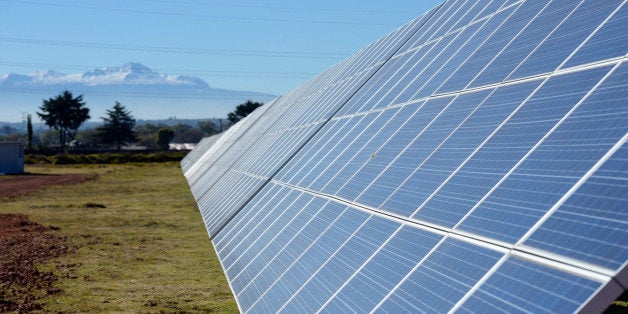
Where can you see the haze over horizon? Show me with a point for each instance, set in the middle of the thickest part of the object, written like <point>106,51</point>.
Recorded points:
<point>148,94</point>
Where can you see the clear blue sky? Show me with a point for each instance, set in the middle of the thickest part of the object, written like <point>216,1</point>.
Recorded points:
<point>268,46</point>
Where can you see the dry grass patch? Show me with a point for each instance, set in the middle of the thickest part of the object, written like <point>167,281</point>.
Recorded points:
<point>141,243</point>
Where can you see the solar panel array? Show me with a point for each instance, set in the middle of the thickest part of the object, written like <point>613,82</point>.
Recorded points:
<point>473,160</point>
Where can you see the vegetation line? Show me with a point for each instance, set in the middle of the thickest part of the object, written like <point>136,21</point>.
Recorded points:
<point>66,116</point>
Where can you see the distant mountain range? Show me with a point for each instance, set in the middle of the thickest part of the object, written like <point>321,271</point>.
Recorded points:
<point>148,94</point>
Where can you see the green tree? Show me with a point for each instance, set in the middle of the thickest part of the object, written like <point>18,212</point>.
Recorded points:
<point>180,129</point>
<point>118,127</point>
<point>164,136</point>
<point>207,127</point>
<point>29,131</point>
<point>89,137</point>
<point>49,138</point>
<point>65,114</point>
<point>147,134</point>
<point>185,133</point>
<point>7,130</point>
<point>243,110</point>
<point>14,137</point>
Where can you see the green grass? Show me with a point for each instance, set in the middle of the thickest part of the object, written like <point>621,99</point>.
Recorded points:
<point>142,246</point>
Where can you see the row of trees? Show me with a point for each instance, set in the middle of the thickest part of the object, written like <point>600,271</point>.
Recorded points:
<point>147,134</point>
<point>64,114</point>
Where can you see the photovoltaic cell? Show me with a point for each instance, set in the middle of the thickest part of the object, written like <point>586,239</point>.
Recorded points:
<point>473,160</point>
<point>441,279</point>
<point>417,153</point>
<point>608,41</point>
<point>469,140</point>
<point>490,48</point>
<point>590,224</point>
<point>364,148</point>
<point>519,286</point>
<point>524,42</point>
<point>529,189</point>
<point>566,38</point>
<point>383,271</point>
<point>343,263</point>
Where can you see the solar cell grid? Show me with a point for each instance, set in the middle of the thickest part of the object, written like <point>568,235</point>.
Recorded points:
<point>535,32</point>
<point>425,84</point>
<point>341,265</point>
<point>565,39</point>
<point>385,268</point>
<point>389,183</point>
<point>473,160</point>
<point>440,280</point>
<point>364,148</point>
<point>417,60</point>
<point>609,40</point>
<point>517,282</point>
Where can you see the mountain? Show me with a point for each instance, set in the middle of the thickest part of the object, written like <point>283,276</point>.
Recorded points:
<point>148,94</point>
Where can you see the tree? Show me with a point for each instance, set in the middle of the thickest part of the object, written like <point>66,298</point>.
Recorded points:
<point>65,114</point>
<point>147,134</point>
<point>29,131</point>
<point>49,138</point>
<point>243,110</point>
<point>164,136</point>
<point>118,127</point>
<point>89,137</point>
<point>12,137</point>
<point>185,133</point>
<point>7,130</point>
<point>180,128</point>
<point>207,127</point>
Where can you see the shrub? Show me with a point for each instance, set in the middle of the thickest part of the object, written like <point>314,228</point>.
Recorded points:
<point>93,205</point>
<point>105,158</point>
<point>66,159</point>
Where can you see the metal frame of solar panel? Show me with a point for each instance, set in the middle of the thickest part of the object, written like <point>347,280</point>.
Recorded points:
<point>474,160</point>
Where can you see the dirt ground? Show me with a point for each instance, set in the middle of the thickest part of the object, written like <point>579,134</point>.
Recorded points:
<point>23,184</point>
<point>25,244</point>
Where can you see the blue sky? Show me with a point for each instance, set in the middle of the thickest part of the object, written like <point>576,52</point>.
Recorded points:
<point>267,46</point>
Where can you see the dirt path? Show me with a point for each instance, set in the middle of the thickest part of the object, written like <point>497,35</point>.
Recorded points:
<point>24,184</point>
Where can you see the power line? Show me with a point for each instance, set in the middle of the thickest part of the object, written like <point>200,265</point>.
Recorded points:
<point>215,73</point>
<point>218,17</point>
<point>274,8</point>
<point>177,50</point>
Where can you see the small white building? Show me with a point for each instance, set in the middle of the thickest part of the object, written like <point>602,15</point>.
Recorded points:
<point>181,146</point>
<point>11,157</point>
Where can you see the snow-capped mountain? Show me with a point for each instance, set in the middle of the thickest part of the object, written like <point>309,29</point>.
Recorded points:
<point>147,93</point>
<point>130,73</point>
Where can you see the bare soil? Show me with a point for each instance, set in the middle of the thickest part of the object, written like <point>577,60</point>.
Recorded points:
<point>23,246</point>
<point>11,186</point>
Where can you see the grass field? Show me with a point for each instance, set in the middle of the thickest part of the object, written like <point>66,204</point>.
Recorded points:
<point>141,243</point>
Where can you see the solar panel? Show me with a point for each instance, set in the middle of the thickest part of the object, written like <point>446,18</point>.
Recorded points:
<point>473,160</point>
<point>204,145</point>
